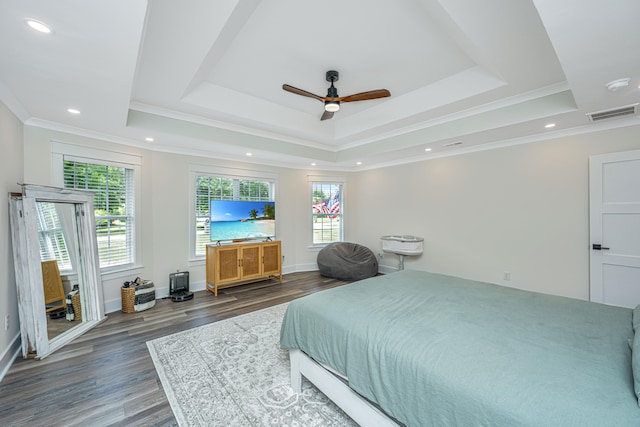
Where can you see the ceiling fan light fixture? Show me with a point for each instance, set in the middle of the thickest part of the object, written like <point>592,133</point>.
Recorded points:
<point>332,100</point>
<point>332,106</point>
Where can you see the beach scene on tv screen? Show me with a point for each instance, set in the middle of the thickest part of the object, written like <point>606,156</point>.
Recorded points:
<point>235,219</point>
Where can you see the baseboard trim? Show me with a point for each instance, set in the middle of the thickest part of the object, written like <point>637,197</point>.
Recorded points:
<point>116,304</point>
<point>9,356</point>
<point>300,268</point>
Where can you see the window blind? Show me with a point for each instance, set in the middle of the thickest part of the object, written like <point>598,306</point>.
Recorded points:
<point>51,237</point>
<point>113,207</point>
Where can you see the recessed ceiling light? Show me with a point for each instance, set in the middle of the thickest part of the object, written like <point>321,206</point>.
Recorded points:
<point>427,149</point>
<point>38,26</point>
<point>313,164</point>
<point>249,154</point>
<point>550,125</point>
<point>358,163</point>
<point>148,139</point>
<point>618,84</point>
<point>73,111</point>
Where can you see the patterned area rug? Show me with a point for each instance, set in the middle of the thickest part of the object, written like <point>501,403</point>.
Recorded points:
<point>233,373</point>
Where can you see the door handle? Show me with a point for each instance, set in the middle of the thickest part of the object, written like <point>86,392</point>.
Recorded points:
<point>599,247</point>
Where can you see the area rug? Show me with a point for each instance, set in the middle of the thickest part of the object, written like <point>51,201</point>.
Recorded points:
<point>233,373</point>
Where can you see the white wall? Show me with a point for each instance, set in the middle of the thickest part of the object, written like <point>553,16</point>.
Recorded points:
<point>166,208</point>
<point>521,209</point>
<point>38,170</point>
<point>171,210</point>
<point>11,165</point>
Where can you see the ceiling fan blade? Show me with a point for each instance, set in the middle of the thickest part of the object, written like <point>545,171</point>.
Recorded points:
<point>297,91</point>
<point>326,115</point>
<point>363,96</point>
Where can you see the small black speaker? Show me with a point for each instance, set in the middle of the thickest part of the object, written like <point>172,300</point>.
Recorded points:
<point>179,286</point>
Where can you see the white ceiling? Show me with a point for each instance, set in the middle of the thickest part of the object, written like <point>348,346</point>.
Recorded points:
<point>205,77</point>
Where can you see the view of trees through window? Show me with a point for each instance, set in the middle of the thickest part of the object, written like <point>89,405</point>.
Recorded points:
<point>222,188</point>
<point>113,205</point>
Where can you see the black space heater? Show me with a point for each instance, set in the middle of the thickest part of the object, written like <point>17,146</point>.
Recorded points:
<point>179,286</point>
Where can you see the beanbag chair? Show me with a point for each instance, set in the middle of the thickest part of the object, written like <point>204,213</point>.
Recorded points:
<point>347,261</point>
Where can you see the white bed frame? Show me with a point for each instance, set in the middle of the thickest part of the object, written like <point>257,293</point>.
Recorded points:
<point>358,408</point>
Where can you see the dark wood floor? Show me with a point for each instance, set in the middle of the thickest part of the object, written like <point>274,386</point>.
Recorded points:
<point>106,377</point>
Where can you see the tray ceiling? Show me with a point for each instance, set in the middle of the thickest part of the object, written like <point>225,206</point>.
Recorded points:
<point>205,78</point>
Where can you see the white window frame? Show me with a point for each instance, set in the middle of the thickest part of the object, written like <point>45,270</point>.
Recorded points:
<point>61,151</point>
<point>322,179</point>
<point>219,172</point>
<point>49,238</point>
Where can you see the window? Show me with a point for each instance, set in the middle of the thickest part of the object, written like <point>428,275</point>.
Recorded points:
<point>113,205</point>
<point>326,207</point>
<point>51,237</point>
<point>209,187</point>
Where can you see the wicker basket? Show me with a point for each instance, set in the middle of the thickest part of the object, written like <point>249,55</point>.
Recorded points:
<point>77,308</point>
<point>128,299</point>
<point>138,297</point>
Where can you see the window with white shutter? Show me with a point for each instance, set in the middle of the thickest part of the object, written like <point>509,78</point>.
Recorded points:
<point>212,187</point>
<point>113,186</point>
<point>51,238</point>
<point>326,208</point>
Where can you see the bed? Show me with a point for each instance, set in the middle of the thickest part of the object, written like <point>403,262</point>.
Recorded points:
<point>417,348</point>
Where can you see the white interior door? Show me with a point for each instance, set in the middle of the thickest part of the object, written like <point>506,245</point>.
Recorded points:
<point>615,228</point>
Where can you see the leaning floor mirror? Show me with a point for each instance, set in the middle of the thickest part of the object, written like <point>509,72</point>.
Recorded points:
<point>57,269</point>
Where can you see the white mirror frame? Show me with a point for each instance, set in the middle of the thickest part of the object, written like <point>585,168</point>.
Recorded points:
<point>28,268</point>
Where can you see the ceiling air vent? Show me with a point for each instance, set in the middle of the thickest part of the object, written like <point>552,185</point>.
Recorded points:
<point>616,112</point>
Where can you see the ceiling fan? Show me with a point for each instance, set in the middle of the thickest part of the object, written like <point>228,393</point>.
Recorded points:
<point>332,100</point>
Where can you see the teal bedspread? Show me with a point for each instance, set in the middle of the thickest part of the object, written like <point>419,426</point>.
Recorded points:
<point>444,351</point>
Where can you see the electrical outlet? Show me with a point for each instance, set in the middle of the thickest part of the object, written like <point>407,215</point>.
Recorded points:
<point>506,276</point>
<point>6,322</point>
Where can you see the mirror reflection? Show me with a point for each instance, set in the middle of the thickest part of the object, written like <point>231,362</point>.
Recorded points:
<point>58,244</point>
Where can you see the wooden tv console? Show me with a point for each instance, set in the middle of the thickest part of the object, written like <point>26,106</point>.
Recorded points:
<point>240,263</point>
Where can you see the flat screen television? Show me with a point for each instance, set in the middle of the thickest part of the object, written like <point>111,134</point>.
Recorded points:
<point>241,219</point>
